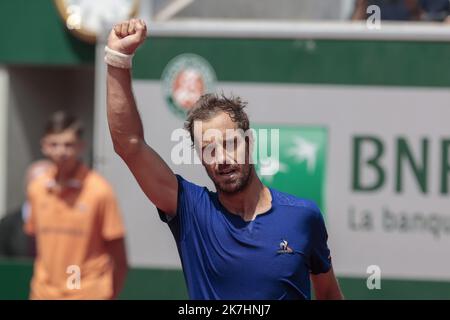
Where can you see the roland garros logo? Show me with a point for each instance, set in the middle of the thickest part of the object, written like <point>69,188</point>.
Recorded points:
<point>185,79</point>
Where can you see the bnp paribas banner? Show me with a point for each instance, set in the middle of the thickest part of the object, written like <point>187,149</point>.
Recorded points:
<point>362,130</point>
<point>299,167</point>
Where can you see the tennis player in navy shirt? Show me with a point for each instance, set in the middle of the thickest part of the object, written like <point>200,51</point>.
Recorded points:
<point>243,241</point>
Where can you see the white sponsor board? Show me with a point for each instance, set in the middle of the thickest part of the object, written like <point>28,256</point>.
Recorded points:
<point>405,232</point>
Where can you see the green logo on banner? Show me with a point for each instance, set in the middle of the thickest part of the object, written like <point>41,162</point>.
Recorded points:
<point>301,162</point>
<point>185,79</point>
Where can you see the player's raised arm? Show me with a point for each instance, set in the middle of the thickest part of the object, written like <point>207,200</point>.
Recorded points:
<point>155,178</point>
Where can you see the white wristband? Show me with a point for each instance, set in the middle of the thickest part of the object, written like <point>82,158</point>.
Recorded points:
<point>118,59</point>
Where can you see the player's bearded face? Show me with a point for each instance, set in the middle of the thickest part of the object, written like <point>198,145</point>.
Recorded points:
<point>225,154</point>
<point>230,178</point>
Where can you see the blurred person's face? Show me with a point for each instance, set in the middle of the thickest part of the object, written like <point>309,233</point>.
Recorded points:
<point>63,149</point>
<point>224,156</point>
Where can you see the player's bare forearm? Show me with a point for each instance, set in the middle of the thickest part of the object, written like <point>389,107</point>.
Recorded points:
<point>124,121</point>
<point>154,176</point>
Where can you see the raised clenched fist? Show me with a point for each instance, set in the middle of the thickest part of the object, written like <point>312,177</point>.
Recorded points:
<point>126,37</point>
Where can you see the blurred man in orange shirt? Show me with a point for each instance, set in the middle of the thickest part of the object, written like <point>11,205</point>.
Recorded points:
<point>76,221</point>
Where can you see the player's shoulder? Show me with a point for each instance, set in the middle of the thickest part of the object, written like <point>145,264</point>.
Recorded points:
<point>285,199</point>
<point>191,186</point>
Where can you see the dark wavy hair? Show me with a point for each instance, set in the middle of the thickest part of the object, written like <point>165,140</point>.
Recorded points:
<point>209,105</point>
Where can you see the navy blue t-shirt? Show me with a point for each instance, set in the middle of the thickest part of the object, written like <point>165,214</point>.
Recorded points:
<point>269,258</point>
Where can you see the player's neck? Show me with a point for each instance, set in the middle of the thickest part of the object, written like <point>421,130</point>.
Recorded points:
<point>253,200</point>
